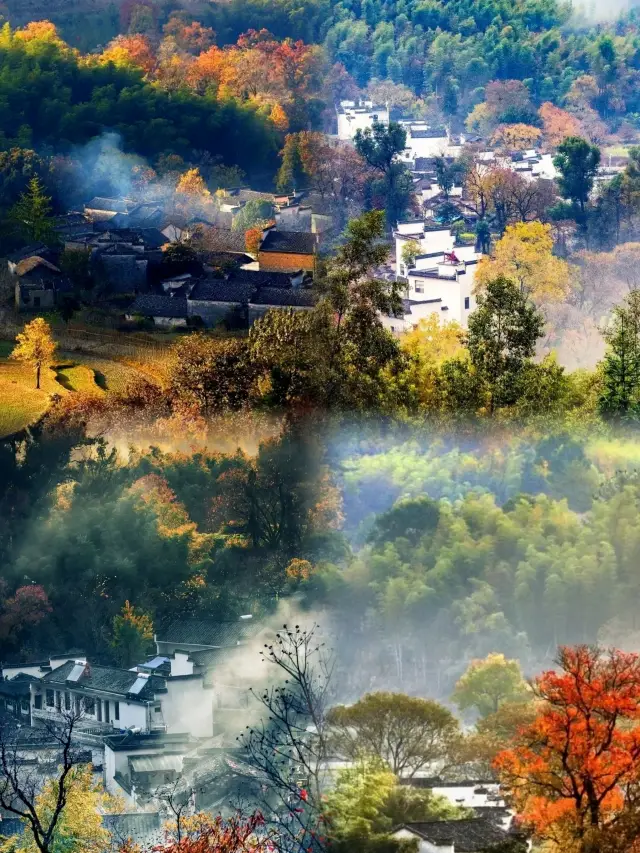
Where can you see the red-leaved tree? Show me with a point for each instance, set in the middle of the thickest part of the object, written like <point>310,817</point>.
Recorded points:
<point>573,774</point>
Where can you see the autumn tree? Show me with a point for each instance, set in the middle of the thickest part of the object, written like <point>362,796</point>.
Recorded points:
<point>35,345</point>
<point>403,731</point>
<point>525,256</point>
<point>191,190</point>
<point>130,51</point>
<point>49,802</point>
<point>202,833</point>
<point>132,634</point>
<point>501,339</point>
<point>577,161</point>
<point>379,146</point>
<point>573,773</point>
<point>557,124</point>
<point>22,611</point>
<point>516,137</point>
<point>488,683</point>
<point>31,215</point>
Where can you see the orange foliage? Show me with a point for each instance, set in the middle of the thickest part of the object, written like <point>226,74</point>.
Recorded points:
<point>572,772</point>
<point>558,124</point>
<point>131,51</point>
<point>43,31</point>
<point>204,834</point>
<point>252,240</point>
<point>279,118</point>
<point>517,137</point>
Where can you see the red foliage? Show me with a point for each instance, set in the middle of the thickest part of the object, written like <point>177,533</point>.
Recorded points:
<point>26,608</point>
<point>571,772</point>
<point>221,835</point>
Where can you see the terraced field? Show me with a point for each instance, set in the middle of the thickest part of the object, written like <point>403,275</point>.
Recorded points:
<point>21,404</point>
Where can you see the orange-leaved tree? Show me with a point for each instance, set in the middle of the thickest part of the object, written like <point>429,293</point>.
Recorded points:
<point>573,774</point>
<point>202,833</point>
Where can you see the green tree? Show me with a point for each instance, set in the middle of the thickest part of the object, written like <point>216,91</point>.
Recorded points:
<point>488,683</point>
<point>577,161</point>
<point>35,345</point>
<point>255,212</point>
<point>501,339</point>
<point>291,173</point>
<point>31,215</point>
<point>620,398</point>
<point>410,252</point>
<point>379,146</point>
<point>406,732</point>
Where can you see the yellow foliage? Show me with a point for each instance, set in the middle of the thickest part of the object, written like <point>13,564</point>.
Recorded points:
<point>80,824</point>
<point>279,118</point>
<point>433,341</point>
<point>35,345</point>
<point>524,255</point>
<point>517,137</point>
<point>191,183</point>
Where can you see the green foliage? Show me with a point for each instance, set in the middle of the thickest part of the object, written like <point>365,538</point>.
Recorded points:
<point>502,335</point>
<point>31,214</point>
<point>379,146</point>
<point>254,212</point>
<point>404,732</point>
<point>488,683</point>
<point>620,399</point>
<point>577,161</point>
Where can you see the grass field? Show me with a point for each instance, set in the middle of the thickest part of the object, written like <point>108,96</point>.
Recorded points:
<point>77,377</point>
<point>20,403</point>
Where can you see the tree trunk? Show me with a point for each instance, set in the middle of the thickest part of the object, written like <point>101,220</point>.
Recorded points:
<point>37,376</point>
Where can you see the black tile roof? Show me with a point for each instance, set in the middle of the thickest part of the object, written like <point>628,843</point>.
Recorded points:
<point>289,242</point>
<point>207,632</point>
<point>220,290</point>
<point>263,278</point>
<point>10,826</point>
<point>118,205</point>
<point>130,741</point>
<point>140,827</point>
<point>156,305</point>
<point>469,835</point>
<point>208,657</point>
<point>431,133</point>
<point>28,252</point>
<point>293,297</point>
<point>104,678</point>
<point>225,240</point>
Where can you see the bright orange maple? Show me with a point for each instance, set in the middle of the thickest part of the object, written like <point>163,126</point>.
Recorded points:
<point>572,774</point>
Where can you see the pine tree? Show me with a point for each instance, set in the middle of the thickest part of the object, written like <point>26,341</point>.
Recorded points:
<point>31,214</point>
<point>620,399</point>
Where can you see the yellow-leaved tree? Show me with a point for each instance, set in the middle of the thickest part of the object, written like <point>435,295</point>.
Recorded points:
<point>428,345</point>
<point>79,826</point>
<point>132,634</point>
<point>35,346</point>
<point>525,256</point>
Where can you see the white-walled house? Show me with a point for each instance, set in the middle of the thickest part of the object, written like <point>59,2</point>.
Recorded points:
<point>423,140</point>
<point>112,699</point>
<point>359,115</point>
<point>470,835</point>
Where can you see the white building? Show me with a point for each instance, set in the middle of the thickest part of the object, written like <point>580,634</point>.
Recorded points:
<point>424,141</point>
<point>359,115</point>
<point>440,280</point>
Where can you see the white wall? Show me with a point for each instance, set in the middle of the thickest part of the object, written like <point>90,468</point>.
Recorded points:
<point>423,846</point>
<point>354,119</point>
<point>9,672</point>
<point>188,707</point>
<point>181,665</point>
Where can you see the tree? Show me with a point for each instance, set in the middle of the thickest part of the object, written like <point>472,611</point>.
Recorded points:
<point>42,799</point>
<point>379,146</point>
<point>516,137</point>
<point>211,373</point>
<point>35,345</point>
<point>557,124</point>
<point>80,822</point>
<point>132,634</point>
<point>525,256</point>
<point>23,610</point>
<point>620,398</point>
<point>573,772</point>
<point>406,732</point>
<point>31,215</point>
<point>410,251</point>
<point>488,683</point>
<point>501,338</point>
<point>254,213</point>
<point>577,161</point>
<point>235,833</point>
<point>289,749</point>
<point>433,341</point>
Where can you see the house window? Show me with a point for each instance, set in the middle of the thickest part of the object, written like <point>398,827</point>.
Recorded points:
<point>37,701</point>
<point>116,710</point>
<point>106,711</point>
<point>419,288</point>
<point>99,709</point>
<point>58,700</point>
<point>78,704</point>
<point>89,705</point>
<point>67,701</point>
<point>25,705</point>
<point>466,303</point>
<point>157,709</point>
<point>50,698</point>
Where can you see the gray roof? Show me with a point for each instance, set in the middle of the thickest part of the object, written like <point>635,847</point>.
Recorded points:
<point>289,242</point>
<point>208,657</point>
<point>11,826</point>
<point>469,835</point>
<point>207,632</point>
<point>156,305</point>
<point>140,827</point>
<point>106,679</point>
<point>292,297</point>
<point>28,252</point>
<point>221,290</point>
<point>117,205</point>
<point>225,240</point>
<point>431,133</point>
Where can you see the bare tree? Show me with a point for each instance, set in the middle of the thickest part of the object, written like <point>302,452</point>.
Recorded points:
<point>21,782</point>
<point>289,748</point>
<point>178,800</point>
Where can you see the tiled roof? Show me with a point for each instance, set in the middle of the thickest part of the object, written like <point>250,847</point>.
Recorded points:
<point>104,678</point>
<point>468,836</point>
<point>289,242</point>
<point>141,827</point>
<point>207,632</point>
<point>10,826</point>
<point>156,305</point>
<point>431,133</point>
<point>294,297</point>
<point>223,240</point>
<point>27,252</point>
<point>220,290</point>
<point>208,657</point>
<point>29,264</point>
<point>117,205</point>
